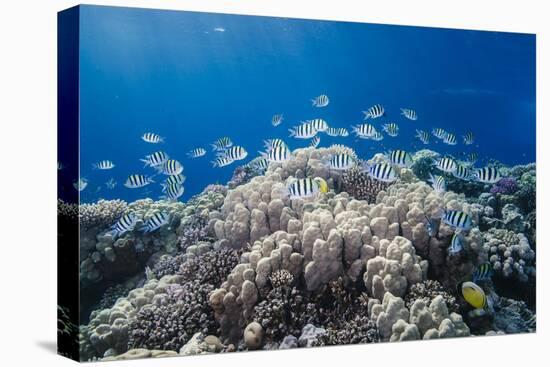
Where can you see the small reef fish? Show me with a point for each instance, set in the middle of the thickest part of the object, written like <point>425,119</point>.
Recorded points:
<point>170,167</point>
<point>278,154</point>
<point>456,243</point>
<point>341,162</point>
<point>236,153</point>
<point>391,129</point>
<point>219,29</point>
<point>423,136</point>
<point>314,143</point>
<point>446,164</point>
<point>343,132</point>
<point>319,124</point>
<point>364,131</point>
<point>222,143</point>
<point>125,224</point>
<point>173,180</point>
<point>462,172</point>
<point>304,131</point>
<point>468,138</point>
<point>81,184</point>
<point>272,143</point>
<point>410,114</point>
<point>332,131</point>
<point>103,165</point>
<point>377,136</point>
<point>155,159</point>
<point>438,183</point>
<point>137,181</point>
<point>474,295</point>
<point>457,219</point>
<point>260,163</point>
<point>156,221</point>
<point>196,153</point>
<point>320,101</point>
<point>400,158</point>
<point>307,187</point>
<point>152,138</point>
<point>382,172</point>
<point>111,184</point>
<point>486,175</point>
<point>374,112</point>
<point>432,226</point>
<point>222,161</point>
<point>277,119</point>
<point>173,192</point>
<point>439,133</point>
<point>472,157</point>
<point>449,139</point>
<point>483,272</point>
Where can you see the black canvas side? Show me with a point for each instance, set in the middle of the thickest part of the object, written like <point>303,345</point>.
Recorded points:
<point>68,173</point>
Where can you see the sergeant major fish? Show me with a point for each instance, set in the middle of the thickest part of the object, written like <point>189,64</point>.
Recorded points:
<point>483,272</point>
<point>155,159</point>
<point>307,187</point>
<point>152,138</point>
<point>410,114</point>
<point>374,112</point>
<point>173,180</point>
<point>341,162</point>
<point>236,153</point>
<point>196,153</point>
<point>170,167</point>
<point>104,165</point>
<point>277,119</point>
<point>423,136</point>
<point>320,101</point>
<point>173,192</point>
<point>438,183</point>
<point>314,143</point>
<point>391,129</point>
<point>137,181</point>
<point>381,172</point>
<point>486,175</point>
<point>457,219</point>
<point>125,224</point>
<point>364,131</point>
<point>400,158</point>
<point>156,221</point>
<point>456,243</point>
<point>222,143</point>
<point>449,139</point>
<point>304,131</point>
<point>468,138</point>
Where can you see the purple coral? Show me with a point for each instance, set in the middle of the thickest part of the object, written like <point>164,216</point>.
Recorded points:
<point>506,186</point>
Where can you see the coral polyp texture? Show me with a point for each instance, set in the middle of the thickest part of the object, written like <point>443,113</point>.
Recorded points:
<point>245,267</point>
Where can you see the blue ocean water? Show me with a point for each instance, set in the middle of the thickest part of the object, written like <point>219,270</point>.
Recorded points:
<point>195,77</point>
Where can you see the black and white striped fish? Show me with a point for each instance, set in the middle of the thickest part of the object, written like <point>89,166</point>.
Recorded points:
<point>456,243</point>
<point>462,172</point>
<point>156,221</point>
<point>303,188</point>
<point>303,131</point>
<point>457,219</point>
<point>314,143</point>
<point>382,172</point>
<point>410,114</point>
<point>400,158</point>
<point>483,272</point>
<point>486,175</point>
<point>272,143</point>
<point>391,129</point>
<point>364,131</point>
<point>472,157</point>
<point>278,154</point>
<point>152,138</point>
<point>439,133</point>
<point>341,162</point>
<point>320,101</point>
<point>222,143</point>
<point>423,136</point>
<point>374,112</point>
<point>319,124</point>
<point>438,183</point>
<point>196,153</point>
<point>170,167</point>
<point>173,180</point>
<point>449,139</point>
<point>446,164</point>
<point>125,224</point>
<point>155,159</point>
<point>222,161</point>
<point>468,138</point>
<point>236,153</point>
<point>259,163</point>
<point>173,192</point>
<point>137,181</point>
<point>343,132</point>
<point>104,165</point>
<point>377,136</point>
<point>332,131</point>
<point>277,119</point>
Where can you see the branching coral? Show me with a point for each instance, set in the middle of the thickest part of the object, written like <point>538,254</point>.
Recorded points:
<point>192,229</point>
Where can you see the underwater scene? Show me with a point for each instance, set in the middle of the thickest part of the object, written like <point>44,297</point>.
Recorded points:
<point>259,183</point>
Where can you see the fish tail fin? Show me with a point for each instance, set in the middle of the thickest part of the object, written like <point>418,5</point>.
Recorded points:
<point>146,162</point>
<point>95,166</point>
<point>292,132</point>
<point>313,102</point>
<point>367,115</point>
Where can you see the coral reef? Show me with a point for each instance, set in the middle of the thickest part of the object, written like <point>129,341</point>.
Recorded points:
<point>361,186</point>
<point>428,290</point>
<point>103,213</point>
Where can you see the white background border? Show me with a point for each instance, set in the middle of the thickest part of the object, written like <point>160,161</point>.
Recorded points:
<point>28,158</point>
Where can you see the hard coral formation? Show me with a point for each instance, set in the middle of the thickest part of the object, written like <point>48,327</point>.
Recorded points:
<point>510,253</point>
<point>361,186</point>
<point>102,214</point>
<point>428,290</point>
